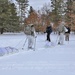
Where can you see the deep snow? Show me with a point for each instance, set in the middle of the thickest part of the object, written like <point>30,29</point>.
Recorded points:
<point>55,60</point>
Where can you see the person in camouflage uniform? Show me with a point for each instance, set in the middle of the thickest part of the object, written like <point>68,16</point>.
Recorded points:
<point>61,31</point>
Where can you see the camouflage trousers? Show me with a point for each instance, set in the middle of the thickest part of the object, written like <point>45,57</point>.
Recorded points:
<point>61,39</point>
<point>67,37</point>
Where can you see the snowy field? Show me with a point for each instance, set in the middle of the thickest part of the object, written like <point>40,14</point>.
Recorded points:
<point>55,60</point>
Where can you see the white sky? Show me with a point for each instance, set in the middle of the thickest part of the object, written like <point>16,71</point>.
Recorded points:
<point>37,4</point>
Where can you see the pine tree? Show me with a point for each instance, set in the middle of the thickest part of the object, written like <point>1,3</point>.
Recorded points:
<point>69,11</point>
<point>8,16</point>
<point>13,19</point>
<point>58,9</point>
<point>70,14</point>
<point>23,4</point>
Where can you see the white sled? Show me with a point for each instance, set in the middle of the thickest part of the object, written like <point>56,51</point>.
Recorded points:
<point>7,50</point>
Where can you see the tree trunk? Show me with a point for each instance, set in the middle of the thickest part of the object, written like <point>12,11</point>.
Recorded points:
<point>1,30</point>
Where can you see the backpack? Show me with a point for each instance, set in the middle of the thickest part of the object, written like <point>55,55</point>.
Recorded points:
<point>27,30</point>
<point>66,29</point>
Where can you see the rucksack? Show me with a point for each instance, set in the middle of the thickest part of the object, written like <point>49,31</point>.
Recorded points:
<point>66,29</point>
<point>27,30</point>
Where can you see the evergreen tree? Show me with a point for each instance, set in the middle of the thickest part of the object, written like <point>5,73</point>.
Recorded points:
<point>23,4</point>
<point>8,16</point>
<point>58,9</point>
<point>69,11</point>
<point>31,10</point>
<point>13,19</point>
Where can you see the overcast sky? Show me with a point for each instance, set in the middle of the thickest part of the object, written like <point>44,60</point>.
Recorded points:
<point>37,4</point>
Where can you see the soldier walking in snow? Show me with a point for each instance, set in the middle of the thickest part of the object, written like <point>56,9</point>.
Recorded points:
<point>31,35</point>
<point>67,33</point>
<point>49,31</point>
<point>61,31</point>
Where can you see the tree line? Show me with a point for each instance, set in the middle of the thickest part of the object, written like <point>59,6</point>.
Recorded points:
<point>52,13</point>
<point>13,15</point>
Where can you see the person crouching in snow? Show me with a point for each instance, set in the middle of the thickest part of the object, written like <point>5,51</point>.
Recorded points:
<point>61,31</point>
<point>31,36</point>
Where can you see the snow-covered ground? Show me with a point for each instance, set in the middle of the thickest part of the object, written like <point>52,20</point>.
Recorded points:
<point>55,60</point>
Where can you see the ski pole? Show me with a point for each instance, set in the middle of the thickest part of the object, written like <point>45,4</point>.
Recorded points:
<point>35,44</point>
<point>24,43</point>
<point>57,39</point>
<point>19,42</point>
